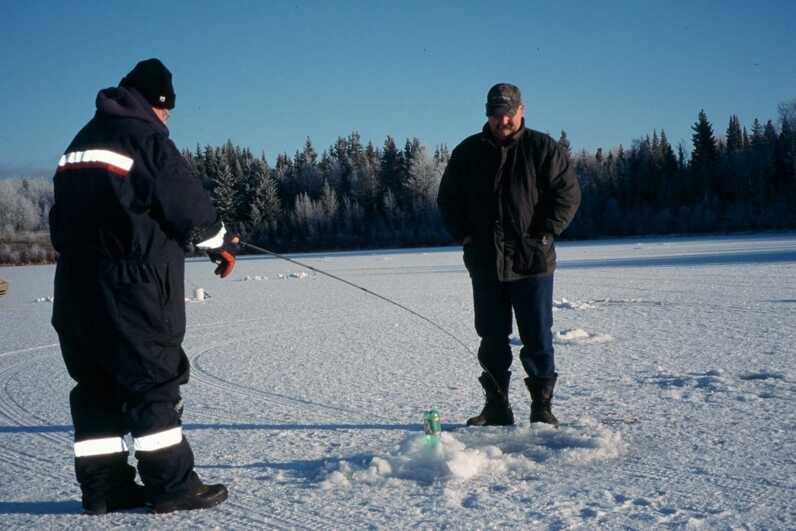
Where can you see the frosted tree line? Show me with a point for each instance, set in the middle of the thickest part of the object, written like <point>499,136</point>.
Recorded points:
<point>24,205</point>
<point>350,196</point>
<point>355,195</point>
<point>743,179</point>
<point>24,209</point>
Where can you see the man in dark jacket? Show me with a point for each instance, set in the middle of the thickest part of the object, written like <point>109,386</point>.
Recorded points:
<point>506,194</point>
<point>126,207</point>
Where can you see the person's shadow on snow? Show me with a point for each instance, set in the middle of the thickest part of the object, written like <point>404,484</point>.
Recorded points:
<point>45,507</point>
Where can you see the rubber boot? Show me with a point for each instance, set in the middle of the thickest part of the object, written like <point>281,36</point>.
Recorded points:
<point>204,497</point>
<point>541,390</point>
<point>497,410</point>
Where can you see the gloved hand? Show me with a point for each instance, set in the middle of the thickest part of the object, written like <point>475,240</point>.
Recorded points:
<point>224,255</point>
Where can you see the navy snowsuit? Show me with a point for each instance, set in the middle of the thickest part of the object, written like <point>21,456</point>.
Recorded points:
<point>126,206</point>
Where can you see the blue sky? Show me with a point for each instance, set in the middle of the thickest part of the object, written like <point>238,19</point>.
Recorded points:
<point>267,74</point>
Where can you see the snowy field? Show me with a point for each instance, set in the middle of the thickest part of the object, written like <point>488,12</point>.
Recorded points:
<point>676,396</point>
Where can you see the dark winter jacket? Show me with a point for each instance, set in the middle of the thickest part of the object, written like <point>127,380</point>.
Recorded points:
<point>124,192</point>
<point>511,199</point>
<point>126,206</point>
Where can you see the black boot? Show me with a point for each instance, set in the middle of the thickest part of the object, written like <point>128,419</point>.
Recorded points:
<point>204,497</point>
<point>132,496</point>
<point>108,484</point>
<point>497,410</point>
<point>541,390</point>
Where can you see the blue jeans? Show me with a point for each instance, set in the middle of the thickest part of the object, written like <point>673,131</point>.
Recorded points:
<point>531,299</point>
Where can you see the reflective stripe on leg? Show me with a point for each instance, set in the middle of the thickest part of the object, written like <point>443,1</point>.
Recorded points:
<point>158,440</point>
<point>104,446</point>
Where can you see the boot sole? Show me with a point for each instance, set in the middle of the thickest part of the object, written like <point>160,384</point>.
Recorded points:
<point>199,503</point>
<point>478,425</point>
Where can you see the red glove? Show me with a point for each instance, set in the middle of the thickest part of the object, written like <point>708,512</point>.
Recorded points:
<point>224,256</point>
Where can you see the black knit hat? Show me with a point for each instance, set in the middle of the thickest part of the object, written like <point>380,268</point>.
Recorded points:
<point>153,80</point>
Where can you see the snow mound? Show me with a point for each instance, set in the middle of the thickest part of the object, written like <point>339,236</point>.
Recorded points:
<point>564,304</point>
<point>249,278</point>
<point>624,301</point>
<point>461,456</point>
<point>579,336</point>
<point>299,275</point>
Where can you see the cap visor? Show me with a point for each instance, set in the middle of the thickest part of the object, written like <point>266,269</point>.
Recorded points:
<point>499,110</point>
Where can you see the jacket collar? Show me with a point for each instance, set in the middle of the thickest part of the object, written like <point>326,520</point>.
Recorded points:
<point>121,102</point>
<point>487,136</point>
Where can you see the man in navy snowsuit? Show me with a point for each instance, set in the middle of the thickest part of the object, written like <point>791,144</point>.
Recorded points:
<point>506,194</point>
<point>126,207</point>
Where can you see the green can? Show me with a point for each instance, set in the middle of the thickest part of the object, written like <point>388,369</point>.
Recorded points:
<point>432,425</point>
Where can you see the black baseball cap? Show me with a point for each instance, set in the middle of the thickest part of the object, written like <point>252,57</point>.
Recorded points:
<point>503,98</point>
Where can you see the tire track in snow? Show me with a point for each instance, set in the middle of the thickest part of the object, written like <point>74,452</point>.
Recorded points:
<point>276,401</point>
<point>17,453</point>
<point>276,513</point>
<point>17,413</point>
<point>29,349</point>
<point>248,517</point>
<point>282,514</point>
<point>750,491</point>
<point>39,466</point>
<point>204,376</point>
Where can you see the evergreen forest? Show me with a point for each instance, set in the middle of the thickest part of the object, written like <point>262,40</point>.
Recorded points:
<point>355,195</point>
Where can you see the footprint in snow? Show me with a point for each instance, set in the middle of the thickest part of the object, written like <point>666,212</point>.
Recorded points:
<point>702,385</point>
<point>579,336</point>
<point>565,304</point>
<point>763,375</point>
<point>571,336</point>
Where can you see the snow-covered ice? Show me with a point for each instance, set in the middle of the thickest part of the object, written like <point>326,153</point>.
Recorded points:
<point>676,392</point>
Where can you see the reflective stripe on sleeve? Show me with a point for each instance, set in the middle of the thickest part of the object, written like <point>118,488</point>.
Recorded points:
<point>104,446</point>
<point>96,158</point>
<point>159,440</point>
<point>214,242</point>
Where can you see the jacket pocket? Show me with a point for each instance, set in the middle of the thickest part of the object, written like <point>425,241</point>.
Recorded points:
<point>136,301</point>
<point>174,299</point>
<point>530,257</point>
<point>140,308</point>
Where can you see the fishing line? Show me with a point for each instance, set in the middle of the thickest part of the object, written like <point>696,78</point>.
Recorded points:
<point>382,297</point>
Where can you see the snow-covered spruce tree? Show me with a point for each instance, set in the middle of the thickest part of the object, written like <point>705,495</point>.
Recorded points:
<point>784,163</point>
<point>670,177</point>
<point>329,205</point>
<point>391,169</point>
<point>787,111</point>
<point>224,194</point>
<point>307,171</point>
<point>565,144</point>
<point>734,136</point>
<point>307,218</point>
<point>365,186</point>
<point>423,181</point>
<point>352,222</point>
<point>404,196</point>
<point>704,159</point>
<point>265,205</point>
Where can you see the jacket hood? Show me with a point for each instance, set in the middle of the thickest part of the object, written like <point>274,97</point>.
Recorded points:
<point>121,102</point>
